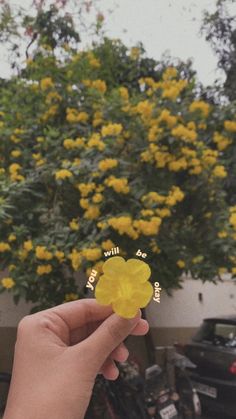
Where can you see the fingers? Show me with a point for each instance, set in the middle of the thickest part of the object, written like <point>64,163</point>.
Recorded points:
<point>110,370</point>
<point>81,333</point>
<point>108,336</point>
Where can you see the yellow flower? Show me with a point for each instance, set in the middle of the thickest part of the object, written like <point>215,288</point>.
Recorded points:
<point>16,153</point>
<point>59,255</point>
<point>63,174</point>
<point>124,93</point>
<point>44,269</point>
<point>233,270</point>
<point>232,220</point>
<point>84,203</point>
<point>198,259</point>
<point>107,164</point>
<point>200,105</point>
<point>46,83</point>
<point>219,171</point>
<point>28,245</point>
<point>120,185</point>
<point>99,85</point>
<point>180,263</point>
<point>222,234</point>
<point>111,129</point>
<point>4,247</point>
<point>123,225</point>
<point>95,141</point>
<point>74,224</point>
<point>184,133</point>
<point>97,198</point>
<point>170,73</point>
<point>148,228</point>
<point>92,212</point>
<point>8,282</point>
<point>75,258</point>
<point>124,285</point>
<point>107,245</point>
<point>230,126</point>
<point>86,188</point>
<point>42,253</point>
<point>92,254</point>
<point>71,297</point>
<point>11,267</point>
<point>11,237</point>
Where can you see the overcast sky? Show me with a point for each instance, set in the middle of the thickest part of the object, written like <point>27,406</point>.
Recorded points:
<point>161,25</point>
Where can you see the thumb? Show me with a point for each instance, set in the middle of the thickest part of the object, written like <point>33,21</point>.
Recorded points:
<point>109,335</point>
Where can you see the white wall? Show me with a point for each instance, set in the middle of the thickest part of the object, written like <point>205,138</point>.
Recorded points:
<point>182,310</point>
<point>185,310</point>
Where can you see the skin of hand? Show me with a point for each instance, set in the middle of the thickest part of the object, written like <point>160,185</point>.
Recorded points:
<point>58,354</point>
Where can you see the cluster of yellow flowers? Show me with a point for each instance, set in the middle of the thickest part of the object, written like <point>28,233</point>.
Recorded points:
<point>120,185</point>
<point>85,188</point>
<point>184,133</point>
<point>46,83</point>
<point>73,115</point>
<point>42,253</point>
<point>63,174</point>
<point>8,282</point>
<point>230,126</point>
<point>53,96</point>
<point>13,170</point>
<point>221,141</point>
<point>99,85</point>
<point>170,87</point>
<point>123,225</point>
<point>71,144</point>
<point>107,164</point>
<point>148,228</point>
<point>200,105</point>
<point>92,254</point>
<point>111,130</point>
<point>51,112</point>
<point>96,142</point>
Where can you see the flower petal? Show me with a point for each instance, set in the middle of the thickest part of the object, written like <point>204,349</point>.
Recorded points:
<point>114,266</point>
<point>104,290</point>
<point>124,309</point>
<point>142,294</point>
<point>139,269</point>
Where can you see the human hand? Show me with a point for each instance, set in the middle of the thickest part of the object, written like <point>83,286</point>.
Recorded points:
<point>58,354</point>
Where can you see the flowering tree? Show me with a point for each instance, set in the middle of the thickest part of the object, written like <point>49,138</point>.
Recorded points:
<point>103,147</point>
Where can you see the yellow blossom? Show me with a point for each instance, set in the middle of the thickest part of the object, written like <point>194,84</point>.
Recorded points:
<point>180,263</point>
<point>46,83</point>
<point>200,105</point>
<point>63,174</point>
<point>219,171</point>
<point>7,282</point>
<point>59,255</point>
<point>42,253</point>
<point>92,254</point>
<point>95,141</point>
<point>92,212</point>
<point>111,129</point>
<point>28,245</point>
<point>16,153</point>
<point>44,269</point>
<point>86,188</point>
<point>124,285</point>
<point>123,225</point>
<point>107,244</point>
<point>74,224</point>
<point>4,247</point>
<point>107,164</point>
<point>222,270</point>
<point>184,133</point>
<point>11,237</point>
<point>148,228</point>
<point>222,234</point>
<point>120,185</point>
<point>230,126</point>
<point>75,258</point>
<point>97,198</point>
